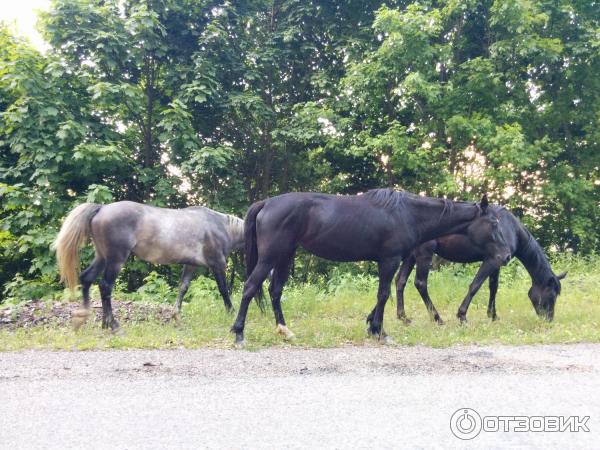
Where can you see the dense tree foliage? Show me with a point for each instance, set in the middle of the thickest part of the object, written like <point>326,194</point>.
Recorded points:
<point>178,102</point>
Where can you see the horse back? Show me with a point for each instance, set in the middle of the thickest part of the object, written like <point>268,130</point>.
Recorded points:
<point>339,228</point>
<point>160,235</point>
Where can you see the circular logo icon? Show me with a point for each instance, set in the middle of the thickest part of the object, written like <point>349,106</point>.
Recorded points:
<point>465,424</point>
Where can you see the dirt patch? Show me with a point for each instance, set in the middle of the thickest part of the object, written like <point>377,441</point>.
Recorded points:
<point>37,313</point>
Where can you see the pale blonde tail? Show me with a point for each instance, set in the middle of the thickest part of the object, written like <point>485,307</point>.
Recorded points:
<point>72,236</point>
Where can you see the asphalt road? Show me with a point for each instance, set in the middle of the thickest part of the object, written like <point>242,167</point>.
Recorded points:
<point>367,397</point>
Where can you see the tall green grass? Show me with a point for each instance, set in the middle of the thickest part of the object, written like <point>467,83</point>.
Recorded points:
<point>332,313</point>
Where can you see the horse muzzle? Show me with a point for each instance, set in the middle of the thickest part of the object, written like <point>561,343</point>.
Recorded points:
<point>503,259</point>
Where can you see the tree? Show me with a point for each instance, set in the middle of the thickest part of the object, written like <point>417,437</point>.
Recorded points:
<point>53,147</point>
<point>179,102</point>
<point>468,96</point>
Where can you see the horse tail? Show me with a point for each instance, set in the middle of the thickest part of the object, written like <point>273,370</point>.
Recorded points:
<point>251,248</point>
<point>72,236</point>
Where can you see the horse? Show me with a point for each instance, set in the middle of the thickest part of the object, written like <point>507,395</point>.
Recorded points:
<point>381,225</point>
<point>194,236</point>
<point>474,246</point>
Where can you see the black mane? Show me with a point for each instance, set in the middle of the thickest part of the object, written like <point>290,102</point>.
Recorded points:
<point>391,199</point>
<point>534,258</point>
<point>386,198</point>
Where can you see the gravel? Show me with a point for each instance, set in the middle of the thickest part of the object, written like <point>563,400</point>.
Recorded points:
<point>350,397</point>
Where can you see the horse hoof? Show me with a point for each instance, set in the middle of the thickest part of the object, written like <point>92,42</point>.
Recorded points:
<point>405,320</point>
<point>81,312</point>
<point>439,321</point>
<point>387,340</point>
<point>379,336</point>
<point>382,338</point>
<point>240,344</point>
<point>79,317</point>
<point>285,332</point>
<point>114,327</point>
<point>176,316</point>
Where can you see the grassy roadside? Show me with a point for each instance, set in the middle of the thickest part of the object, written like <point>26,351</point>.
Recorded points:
<point>333,315</point>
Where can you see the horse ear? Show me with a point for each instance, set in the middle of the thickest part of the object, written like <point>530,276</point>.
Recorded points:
<point>484,203</point>
<point>560,276</point>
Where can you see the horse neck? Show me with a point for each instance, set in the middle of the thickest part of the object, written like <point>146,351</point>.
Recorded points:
<point>531,254</point>
<point>437,217</point>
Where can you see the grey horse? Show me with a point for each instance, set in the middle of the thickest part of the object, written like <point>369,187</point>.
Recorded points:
<point>194,236</point>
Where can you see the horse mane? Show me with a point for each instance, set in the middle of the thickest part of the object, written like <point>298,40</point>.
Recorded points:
<point>387,198</point>
<point>534,258</point>
<point>391,199</point>
<point>448,207</point>
<point>235,224</point>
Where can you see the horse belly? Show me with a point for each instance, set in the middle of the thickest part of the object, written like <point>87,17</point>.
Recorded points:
<point>169,252</point>
<point>336,248</point>
<point>460,253</point>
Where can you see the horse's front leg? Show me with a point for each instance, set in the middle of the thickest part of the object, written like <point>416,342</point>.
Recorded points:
<point>186,277</point>
<point>491,312</point>
<point>423,267</point>
<point>487,268</point>
<point>218,271</point>
<point>387,268</point>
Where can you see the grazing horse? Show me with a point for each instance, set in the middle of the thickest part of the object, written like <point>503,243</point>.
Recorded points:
<point>474,246</point>
<point>194,236</point>
<point>382,225</point>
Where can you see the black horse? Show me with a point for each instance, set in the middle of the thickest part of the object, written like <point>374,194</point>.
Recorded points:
<point>382,225</point>
<point>474,246</point>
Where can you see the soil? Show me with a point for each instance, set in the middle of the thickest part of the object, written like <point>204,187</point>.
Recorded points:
<point>39,313</point>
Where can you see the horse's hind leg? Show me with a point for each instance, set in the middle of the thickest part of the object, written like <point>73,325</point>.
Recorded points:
<point>281,273</point>
<point>106,286</point>
<point>254,281</point>
<point>186,277</point>
<point>491,312</point>
<point>403,274</point>
<point>401,279</point>
<point>88,276</point>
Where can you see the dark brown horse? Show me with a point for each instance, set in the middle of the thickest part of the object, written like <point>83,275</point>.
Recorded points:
<point>475,245</point>
<point>382,225</point>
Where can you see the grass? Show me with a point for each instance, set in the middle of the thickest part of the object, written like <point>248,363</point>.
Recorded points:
<point>334,315</point>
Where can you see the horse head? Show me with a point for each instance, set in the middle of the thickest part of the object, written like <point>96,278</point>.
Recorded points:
<point>543,295</point>
<point>486,233</point>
